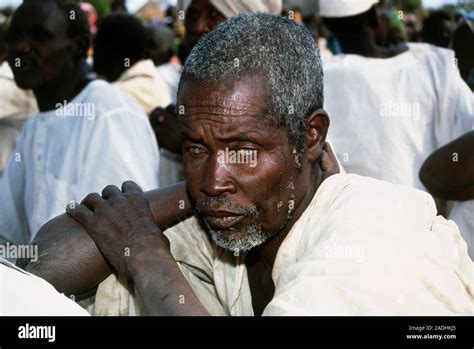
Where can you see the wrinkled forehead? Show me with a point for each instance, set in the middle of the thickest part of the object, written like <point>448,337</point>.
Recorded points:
<point>243,96</point>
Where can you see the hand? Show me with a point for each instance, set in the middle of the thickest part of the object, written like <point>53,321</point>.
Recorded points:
<point>329,164</point>
<point>166,125</point>
<point>120,223</point>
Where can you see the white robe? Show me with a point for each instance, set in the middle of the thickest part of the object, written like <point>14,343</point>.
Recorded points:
<point>142,82</point>
<point>362,247</point>
<point>24,294</point>
<point>62,158</point>
<point>16,106</point>
<point>463,214</point>
<point>388,115</point>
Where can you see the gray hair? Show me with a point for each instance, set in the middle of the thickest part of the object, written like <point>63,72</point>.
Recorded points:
<point>276,48</point>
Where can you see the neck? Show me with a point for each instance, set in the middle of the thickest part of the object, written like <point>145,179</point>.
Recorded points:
<point>361,43</point>
<point>365,45</point>
<point>63,89</point>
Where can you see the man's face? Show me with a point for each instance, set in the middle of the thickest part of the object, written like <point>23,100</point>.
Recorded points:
<point>39,50</point>
<point>201,17</point>
<point>240,169</point>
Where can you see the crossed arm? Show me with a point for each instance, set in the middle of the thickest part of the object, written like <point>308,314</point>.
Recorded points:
<point>123,235</point>
<point>121,231</point>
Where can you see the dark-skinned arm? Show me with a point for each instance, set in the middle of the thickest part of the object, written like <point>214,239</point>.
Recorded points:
<point>124,229</point>
<point>448,173</point>
<point>70,260</point>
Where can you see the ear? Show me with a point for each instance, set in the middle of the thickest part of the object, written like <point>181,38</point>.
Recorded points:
<point>318,124</point>
<point>81,46</point>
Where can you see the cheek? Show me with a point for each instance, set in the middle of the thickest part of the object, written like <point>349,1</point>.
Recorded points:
<point>275,186</point>
<point>54,60</point>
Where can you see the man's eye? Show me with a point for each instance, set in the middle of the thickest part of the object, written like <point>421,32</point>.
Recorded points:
<point>195,150</point>
<point>246,151</point>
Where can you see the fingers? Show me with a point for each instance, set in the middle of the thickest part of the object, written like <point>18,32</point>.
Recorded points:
<point>329,162</point>
<point>80,213</point>
<point>328,149</point>
<point>110,192</point>
<point>131,187</point>
<point>93,201</point>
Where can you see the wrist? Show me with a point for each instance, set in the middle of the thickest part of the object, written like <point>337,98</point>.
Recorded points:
<point>146,253</point>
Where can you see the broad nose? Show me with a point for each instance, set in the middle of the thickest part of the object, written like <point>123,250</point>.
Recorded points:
<point>217,178</point>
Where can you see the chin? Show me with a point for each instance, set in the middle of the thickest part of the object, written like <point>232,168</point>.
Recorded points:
<point>240,241</point>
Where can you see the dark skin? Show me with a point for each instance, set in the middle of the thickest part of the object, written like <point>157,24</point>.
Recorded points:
<point>126,219</point>
<point>448,173</point>
<point>201,17</point>
<point>217,116</point>
<point>363,41</point>
<point>44,57</point>
<point>159,45</point>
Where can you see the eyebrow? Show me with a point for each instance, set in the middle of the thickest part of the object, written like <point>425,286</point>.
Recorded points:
<point>239,137</point>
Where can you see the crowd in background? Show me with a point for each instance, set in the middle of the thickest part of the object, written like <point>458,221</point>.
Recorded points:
<point>393,90</point>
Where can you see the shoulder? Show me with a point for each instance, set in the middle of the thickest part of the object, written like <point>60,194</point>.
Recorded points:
<point>108,100</point>
<point>371,192</point>
<point>428,51</point>
<point>357,208</point>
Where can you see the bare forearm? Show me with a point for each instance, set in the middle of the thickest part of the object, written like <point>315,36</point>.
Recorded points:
<point>448,173</point>
<point>161,285</point>
<point>69,258</point>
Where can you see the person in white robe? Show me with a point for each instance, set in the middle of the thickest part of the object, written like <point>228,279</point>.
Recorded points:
<point>17,106</point>
<point>390,110</point>
<point>99,137</point>
<point>351,245</point>
<point>362,247</point>
<point>87,134</point>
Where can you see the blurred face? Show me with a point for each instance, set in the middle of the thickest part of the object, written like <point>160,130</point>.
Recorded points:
<point>445,33</point>
<point>201,17</point>
<point>240,169</point>
<point>39,50</point>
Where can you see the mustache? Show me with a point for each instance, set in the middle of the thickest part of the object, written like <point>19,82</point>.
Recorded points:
<point>224,203</point>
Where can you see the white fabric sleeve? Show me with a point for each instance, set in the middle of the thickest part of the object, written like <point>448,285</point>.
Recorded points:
<point>131,154</point>
<point>13,220</point>
<point>23,294</point>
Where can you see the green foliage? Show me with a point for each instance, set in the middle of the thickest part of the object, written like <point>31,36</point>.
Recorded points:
<point>101,6</point>
<point>408,6</point>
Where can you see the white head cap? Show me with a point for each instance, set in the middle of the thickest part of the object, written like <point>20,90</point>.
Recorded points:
<point>344,8</point>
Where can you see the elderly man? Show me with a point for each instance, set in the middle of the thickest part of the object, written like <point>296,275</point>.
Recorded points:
<point>262,230</point>
<point>201,17</point>
<point>86,134</point>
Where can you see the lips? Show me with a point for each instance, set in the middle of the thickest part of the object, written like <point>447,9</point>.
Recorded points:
<point>222,220</point>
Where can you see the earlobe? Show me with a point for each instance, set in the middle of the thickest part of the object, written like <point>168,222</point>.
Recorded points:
<point>318,124</point>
